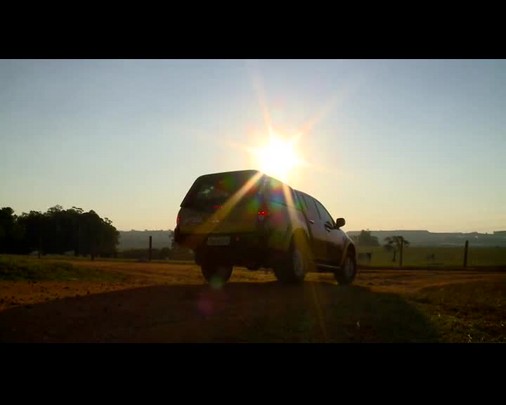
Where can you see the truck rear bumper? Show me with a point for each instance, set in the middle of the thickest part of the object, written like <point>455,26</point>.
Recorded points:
<point>245,249</point>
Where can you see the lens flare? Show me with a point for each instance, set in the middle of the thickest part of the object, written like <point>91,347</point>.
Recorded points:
<point>278,157</point>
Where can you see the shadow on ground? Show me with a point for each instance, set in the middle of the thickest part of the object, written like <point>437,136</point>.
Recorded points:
<point>239,312</point>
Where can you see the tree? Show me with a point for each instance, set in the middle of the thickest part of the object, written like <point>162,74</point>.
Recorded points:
<point>33,225</point>
<point>11,234</point>
<point>97,236</point>
<point>58,234</point>
<point>366,239</point>
<point>57,231</point>
<point>395,244</point>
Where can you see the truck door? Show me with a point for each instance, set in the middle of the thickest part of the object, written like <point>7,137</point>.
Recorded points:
<point>334,238</point>
<point>316,227</point>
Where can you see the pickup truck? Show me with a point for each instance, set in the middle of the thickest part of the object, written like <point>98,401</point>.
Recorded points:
<point>247,218</point>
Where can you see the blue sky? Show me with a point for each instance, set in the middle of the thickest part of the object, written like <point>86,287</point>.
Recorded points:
<point>387,144</point>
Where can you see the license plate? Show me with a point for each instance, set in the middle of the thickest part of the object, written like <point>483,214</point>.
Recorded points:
<point>218,240</point>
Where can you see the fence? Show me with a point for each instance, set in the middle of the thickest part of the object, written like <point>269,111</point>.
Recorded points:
<point>433,257</point>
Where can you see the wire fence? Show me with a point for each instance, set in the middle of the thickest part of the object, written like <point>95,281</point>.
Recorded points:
<point>432,257</point>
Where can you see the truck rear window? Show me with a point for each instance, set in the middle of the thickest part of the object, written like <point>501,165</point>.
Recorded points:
<point>280,193</point>
<point>215,189</point>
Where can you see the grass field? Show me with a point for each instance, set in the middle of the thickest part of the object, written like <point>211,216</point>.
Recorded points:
<point>32,269</point>
<point>66,300</point>
<point>438,257</point>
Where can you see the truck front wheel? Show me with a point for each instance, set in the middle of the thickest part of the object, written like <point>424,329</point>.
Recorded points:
<point>347,272</point>
<point>296,263</point>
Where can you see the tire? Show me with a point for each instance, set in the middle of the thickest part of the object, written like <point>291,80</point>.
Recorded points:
<point>216,274</point>
<point>347,272</point>
<point>295,265</point>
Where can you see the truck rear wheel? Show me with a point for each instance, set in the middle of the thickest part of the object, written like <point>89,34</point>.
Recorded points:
<point>216,274</point>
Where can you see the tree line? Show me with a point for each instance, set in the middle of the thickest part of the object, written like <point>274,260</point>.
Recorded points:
<point>57,231</point>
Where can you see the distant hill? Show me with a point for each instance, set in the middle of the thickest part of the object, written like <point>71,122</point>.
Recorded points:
<point>140,239</point>
<point>163,238</point>
<point>426,238</point>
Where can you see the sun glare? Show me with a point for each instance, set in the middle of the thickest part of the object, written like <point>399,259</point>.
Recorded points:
<point>278,157</point>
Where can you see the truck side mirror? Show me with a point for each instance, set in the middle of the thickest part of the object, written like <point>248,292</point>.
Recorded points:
<point>340,222</point>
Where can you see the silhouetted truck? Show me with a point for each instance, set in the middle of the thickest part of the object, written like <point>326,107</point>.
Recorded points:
<point>246,218</point>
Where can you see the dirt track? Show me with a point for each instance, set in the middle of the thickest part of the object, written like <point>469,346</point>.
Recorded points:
<point>170,303</point>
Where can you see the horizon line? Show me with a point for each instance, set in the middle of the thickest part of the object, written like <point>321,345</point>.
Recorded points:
<point>368,230</point>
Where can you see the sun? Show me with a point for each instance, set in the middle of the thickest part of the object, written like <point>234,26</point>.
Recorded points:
<point>278,157</point>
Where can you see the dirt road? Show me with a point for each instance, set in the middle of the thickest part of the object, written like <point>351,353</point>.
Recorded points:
<point>170,303</point>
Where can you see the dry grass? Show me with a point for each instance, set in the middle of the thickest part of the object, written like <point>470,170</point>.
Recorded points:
<point>160,302</point>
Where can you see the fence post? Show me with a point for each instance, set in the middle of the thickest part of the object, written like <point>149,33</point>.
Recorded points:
<point>401,252</point>
<point>150,247</point>
<point>466,248</point>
